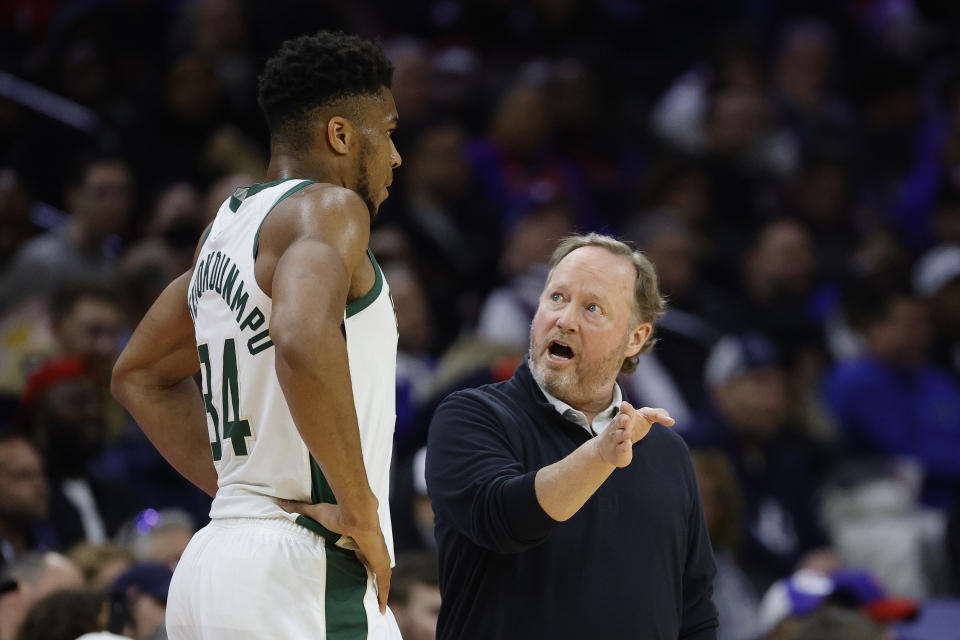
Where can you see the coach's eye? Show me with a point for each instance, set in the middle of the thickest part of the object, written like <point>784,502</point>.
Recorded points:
<point>556,297</point>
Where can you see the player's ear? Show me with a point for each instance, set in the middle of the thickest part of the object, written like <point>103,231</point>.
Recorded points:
<point>339,134</point>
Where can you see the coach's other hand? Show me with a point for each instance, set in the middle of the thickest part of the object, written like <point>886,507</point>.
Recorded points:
<point>629,427</point>
<point>372,548</point>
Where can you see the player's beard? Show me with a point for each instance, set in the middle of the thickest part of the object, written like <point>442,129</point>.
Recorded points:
<point>581,384</point>
<point>363,183</point>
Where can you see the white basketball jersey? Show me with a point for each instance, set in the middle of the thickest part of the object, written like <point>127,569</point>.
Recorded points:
<point>257,450</point>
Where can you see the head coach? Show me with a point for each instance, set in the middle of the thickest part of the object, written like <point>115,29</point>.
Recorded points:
<point>562,511</point>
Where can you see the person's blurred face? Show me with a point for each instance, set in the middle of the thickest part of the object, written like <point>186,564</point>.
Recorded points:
<point>803,68</point>
<point>73,417</point>
<point>378,156</point>
<point>736,120</point>
<point>783,261</point>
<point>754,402</point>
<point>24,491</point>
<point>823,194</point>
<point>521,123</point>
<point>411,81</point>
<point>440,163</point>
<point>102,202</point>
<point>417,618</point>
<point>674,253</point>
<point>584,327</point>
<point>903,336</point>
<point>91,331</point>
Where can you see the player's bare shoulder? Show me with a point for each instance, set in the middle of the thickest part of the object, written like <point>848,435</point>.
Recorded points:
<point>323,212</point>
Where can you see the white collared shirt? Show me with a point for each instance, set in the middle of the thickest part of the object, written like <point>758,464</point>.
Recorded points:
<point>600,422</point>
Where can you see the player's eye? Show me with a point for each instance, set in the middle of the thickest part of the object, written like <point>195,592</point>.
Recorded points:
<point>593,308</point>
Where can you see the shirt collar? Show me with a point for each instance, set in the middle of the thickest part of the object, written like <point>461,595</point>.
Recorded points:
<point>600,422</point>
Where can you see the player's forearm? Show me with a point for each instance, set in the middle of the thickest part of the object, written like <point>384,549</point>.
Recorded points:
<point>566,485</point>
<point>315,378</point>
<point>174,419</point>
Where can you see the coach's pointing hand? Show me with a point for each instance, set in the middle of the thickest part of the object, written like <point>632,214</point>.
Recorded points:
<point>371,547</point>
<point>629,427</point>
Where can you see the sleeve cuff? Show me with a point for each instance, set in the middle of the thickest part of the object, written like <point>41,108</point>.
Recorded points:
<point>525,517</point>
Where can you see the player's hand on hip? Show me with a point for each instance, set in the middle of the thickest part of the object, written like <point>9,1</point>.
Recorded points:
<point>371,546</point>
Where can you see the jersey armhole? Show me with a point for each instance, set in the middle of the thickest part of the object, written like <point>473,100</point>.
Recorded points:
<point>292,190</point>
<point>367,299</point>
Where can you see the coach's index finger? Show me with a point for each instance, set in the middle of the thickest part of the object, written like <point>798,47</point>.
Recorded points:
<point>657,415</point>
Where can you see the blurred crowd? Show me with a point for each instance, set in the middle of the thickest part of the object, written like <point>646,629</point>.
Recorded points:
<point>791,168</point>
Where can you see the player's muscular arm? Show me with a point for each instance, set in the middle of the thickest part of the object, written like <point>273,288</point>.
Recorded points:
<point>566,485</point>
<point>153,379</point>
<point>310,287</point>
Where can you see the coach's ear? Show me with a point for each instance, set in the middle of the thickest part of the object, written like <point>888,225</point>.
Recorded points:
<point>339,134</point>
<point>638,338</point>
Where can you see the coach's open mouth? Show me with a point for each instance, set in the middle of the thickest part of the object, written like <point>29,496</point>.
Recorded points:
<point>559,350</point>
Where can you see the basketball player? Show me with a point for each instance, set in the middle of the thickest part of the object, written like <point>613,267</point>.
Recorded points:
<point>288,319</point>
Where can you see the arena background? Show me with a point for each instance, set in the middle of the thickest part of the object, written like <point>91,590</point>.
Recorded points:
<point>791,168</point>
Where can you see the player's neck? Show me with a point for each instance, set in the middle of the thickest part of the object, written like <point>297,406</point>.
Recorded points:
<point>284,165</point>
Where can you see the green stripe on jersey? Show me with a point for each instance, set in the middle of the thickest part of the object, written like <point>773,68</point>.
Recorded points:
<point>346,586</point>
<point>290,192</point>
<point>320,491</point>
<point>360,304</point>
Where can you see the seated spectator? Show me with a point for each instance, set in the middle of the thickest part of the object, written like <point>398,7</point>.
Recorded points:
<point>63,411</point>
<point>415,596</point>
<point>775,465</point>
<point>830,623</point>
<point>87,318</point>
<point>24,499</point>
<point>893,401</point>
<point>672,374</point>
<point>100,563</point>
<point>138,600</point>
<point>36,575</point>
<point>99,199</point>
<point>797,603</point>
<point>722,500</point>
<point>442,212</point>
<point>158,536</point>
<point>65,615</point>
<point>505,316</point>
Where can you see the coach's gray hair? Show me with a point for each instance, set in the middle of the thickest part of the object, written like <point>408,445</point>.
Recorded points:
<point>648,304</point>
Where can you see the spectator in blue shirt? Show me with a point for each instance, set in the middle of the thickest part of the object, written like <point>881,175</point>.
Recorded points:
<point>893,401</point>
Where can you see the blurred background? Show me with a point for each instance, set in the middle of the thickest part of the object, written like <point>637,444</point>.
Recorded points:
<point>791,168</point>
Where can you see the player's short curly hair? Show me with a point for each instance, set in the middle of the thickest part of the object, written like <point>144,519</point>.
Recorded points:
<point>317,70</point>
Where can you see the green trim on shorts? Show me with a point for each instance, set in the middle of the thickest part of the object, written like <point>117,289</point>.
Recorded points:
<point>344,612</point>
<point>362,303</point>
